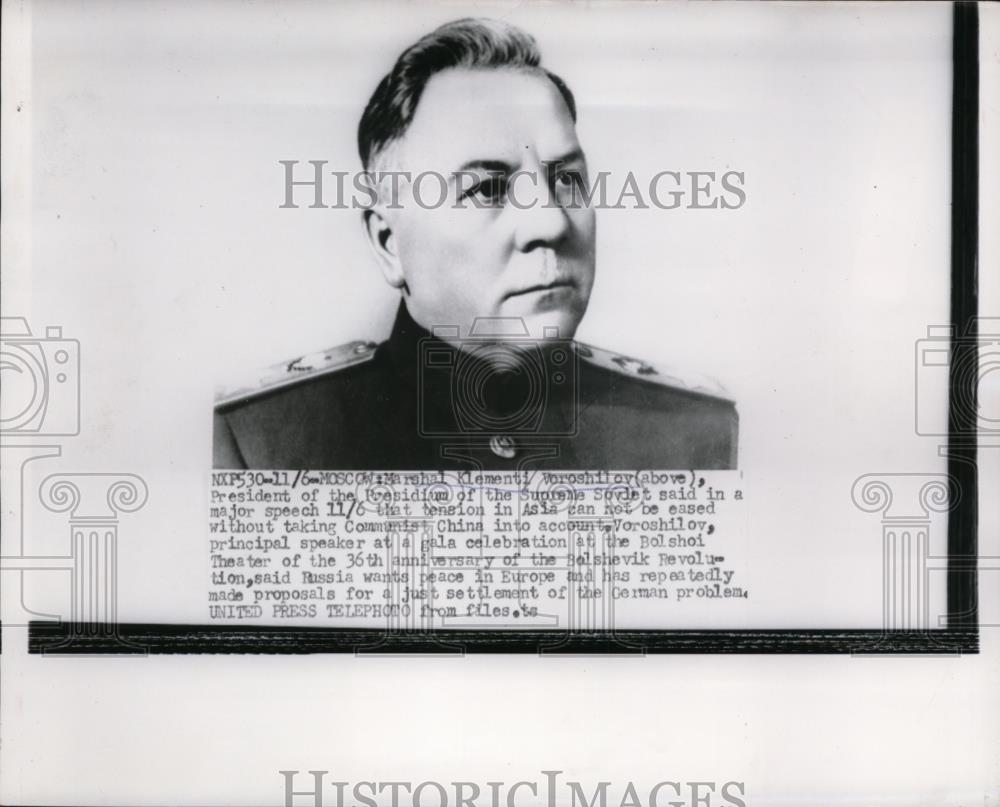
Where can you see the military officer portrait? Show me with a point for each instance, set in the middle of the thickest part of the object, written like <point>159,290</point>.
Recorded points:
<point>480,369</point>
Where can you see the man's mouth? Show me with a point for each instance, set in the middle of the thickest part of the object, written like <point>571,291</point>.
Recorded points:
<point>556,284</point>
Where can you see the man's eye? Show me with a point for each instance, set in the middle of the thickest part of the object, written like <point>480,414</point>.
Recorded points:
<point>569,188</point>
<point>490,190</point>
<point>570,179</point>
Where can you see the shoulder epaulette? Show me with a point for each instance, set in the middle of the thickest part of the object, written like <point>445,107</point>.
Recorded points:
<point>299,369</point>
<point>637,368</point>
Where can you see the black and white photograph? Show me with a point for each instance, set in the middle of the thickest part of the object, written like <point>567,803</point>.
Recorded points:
<point>469,404</point>
<point>493,288</point>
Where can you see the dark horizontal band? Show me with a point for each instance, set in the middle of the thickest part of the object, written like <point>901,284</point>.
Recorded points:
<point>156,639</point>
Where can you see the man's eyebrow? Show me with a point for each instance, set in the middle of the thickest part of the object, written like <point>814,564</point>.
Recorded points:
<point>504,167</point>
<point>576,155</point>
<point>492,166</point>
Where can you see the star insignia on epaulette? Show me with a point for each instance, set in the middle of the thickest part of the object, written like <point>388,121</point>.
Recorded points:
<point>634,365</point>
<point>306,366</point>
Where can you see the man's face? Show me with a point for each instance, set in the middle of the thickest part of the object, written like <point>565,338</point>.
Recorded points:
<point>507,240</point>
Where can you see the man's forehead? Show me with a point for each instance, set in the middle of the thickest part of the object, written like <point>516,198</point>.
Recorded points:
<point>488,114</point>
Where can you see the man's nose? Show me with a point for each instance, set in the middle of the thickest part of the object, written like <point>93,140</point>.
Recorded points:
<point>540,221</point>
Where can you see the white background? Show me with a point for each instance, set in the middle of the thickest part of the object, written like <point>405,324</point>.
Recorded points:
<point>141,193</point>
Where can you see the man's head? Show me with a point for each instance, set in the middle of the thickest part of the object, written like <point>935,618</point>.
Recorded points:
<point>486,226</point>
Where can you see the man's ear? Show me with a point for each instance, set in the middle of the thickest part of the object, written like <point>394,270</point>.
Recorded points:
<point>380,236</point>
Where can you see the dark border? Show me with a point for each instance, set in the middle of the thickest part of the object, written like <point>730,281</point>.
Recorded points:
<point>136,639</point>
<point>963,589</point>
<point>961,634</point>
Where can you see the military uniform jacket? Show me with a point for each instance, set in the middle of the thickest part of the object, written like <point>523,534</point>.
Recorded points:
<point>416,402</point>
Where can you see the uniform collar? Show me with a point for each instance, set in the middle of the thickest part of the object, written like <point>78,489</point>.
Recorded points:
<point>405,330</point>
<point>409,349</point>
<point>402,348</point>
